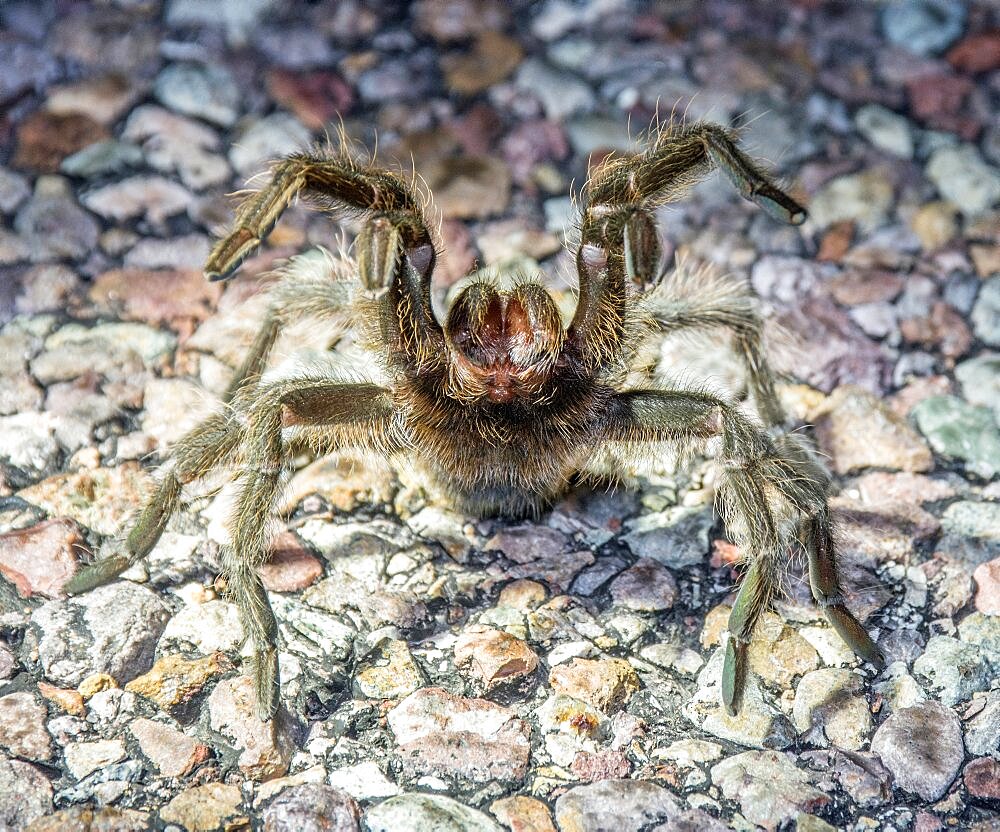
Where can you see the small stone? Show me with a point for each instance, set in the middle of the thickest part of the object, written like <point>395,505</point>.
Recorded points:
<point>273,136</point>
<point>71,701</point>
<point>522,814</point>
<point>315,97</point>
<point>179,297</point>
<point>493,57</point>
<point>959,430</point>
<point>858,431</point>
<point>14,189</point>
<point>982,780</point>
<point>53,225</point>
<point>964,179</point>
<point>22,727</point>
<point>885,129</point>
<point>173,753</point>
<point>980,380</point>
<point>439,733</point>
<point>982,630</point>
<point>522,594</point>
<point>468,187</point>
<point>494,657</point>
<point>291,566</point>
<point>560,93</point>
<point>112,629</point>
<point>768,786</point>
<point>976,52</point>
<point>864,198</point>
<point>935,224</point>
<point>676,537</point>
<point>777,652</point>
<point>265,747</point>
<point>758,724</point>
<point>174,681</point>
<point>428,813</point>
<point>943,329</point>
<point>987,578</point>
<point>101,159</point>
<point>25,794</point>
<point>210,627</point>
<point>830,709</point>
<point>392,674</point>
<point>207,92</point>
<point>85,819</point>
<point>154,198</point>
<point>607,684</point>
<point>44,139</point>
<point>922,747</point>
<point>570,716</point>
<point>603,765</point>
<point>40,559</point>
<point>982,728</point>
<point>103,98</point>
<point>926,27</point>
<point>626,806</point>
<point>96,683</point>
<point>986,313</point>
<point>83,758</point>
<point>646,586</point>
<point>364,781</point>
<point>203,808</point>
<point>311,807</point>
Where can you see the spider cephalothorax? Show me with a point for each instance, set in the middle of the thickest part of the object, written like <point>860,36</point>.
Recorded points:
<point>501,404</point>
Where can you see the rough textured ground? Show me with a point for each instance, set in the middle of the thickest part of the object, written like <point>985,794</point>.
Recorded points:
<point>442,673</point>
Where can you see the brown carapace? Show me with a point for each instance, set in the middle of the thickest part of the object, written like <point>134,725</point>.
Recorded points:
<point>502,403</point>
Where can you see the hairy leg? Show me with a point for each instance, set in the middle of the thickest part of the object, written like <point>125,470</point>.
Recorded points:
<point>703,298</point>
<point>619,241</point>
<point>772,492</point>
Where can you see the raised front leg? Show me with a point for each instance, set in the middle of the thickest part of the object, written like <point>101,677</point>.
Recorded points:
<point>771,492</point>
<point>619,240</point>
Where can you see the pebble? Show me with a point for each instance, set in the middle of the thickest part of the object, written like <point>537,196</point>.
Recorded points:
<point>758,724</point>
<point>859,431</point>
<point>935,224</point>
<point>311,807</point>
<point>676,537</point>
<point>561,93</point>
<point>53,225</point>
<point>44,139</point>
<point>494,657</point>
<point>265,748</point>
<point>768,786</point>
<point>926,27</point>
<point>987,578</point>
<point>885,129</point>
<point>958,430</point>
<point>646,586</point>
<point>522,814</point>
<point>607,684</point>
<point>112,629</point>
<point>203,808</point>
<point>40,559</point>
<point>70,701</point>
<point>272,137</point>
<point>291,566</point>
<point>392,674</point>
<point>173,753</point>
<point>468,187</point>
<point>22,727</point>
<point>983,630</point>
<point>441,734</point>
<point>102,159</point>
<point>830,709</point>
<point>154,198</point>
<point>628,806</point>
<point>864,198</point>
<point>28,445</point>
<point>83,758</point>
<point>428,813</point>
<point>85,819</point>
<point>103,98</point>
<point>174,681</point>
<point>922,747</point>
<point>206,92</point>
<point>980,380</point>
<point>492,58</point>
<point>315,98</point>
<point>986,313</point>
<point>25,794</point>
<point>982,726</point>
<point>964,179</point>
<point>364,781</point>
<point>14,189</point>
<point>982,780</point>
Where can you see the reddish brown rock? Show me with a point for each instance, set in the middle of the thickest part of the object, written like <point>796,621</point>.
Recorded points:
<point>316,98</point>
<point>604,765</point>
<point>979,52</point>
<point>943,329</point>
<point>939,101</point>
<point>494,656</point>
<point>71,701</point>
<point>291,566</point>
<point>103,98</point>
<point>44,139</point>
<point>492,58</point>
<point>646,586</point>
<point>180,298</point>
<point>982,780</point>
<point>41,559</point>
<point>22,727</point>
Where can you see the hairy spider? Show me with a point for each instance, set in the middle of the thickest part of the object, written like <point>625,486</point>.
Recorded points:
<point>502,404</point>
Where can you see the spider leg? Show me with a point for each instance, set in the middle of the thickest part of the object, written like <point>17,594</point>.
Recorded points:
<point>771,489</point>
<point>395,251</point>
<point>619,241</point>
<point>702,299</point>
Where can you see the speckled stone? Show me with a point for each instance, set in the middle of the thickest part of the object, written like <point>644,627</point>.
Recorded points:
<point>172,752</point>
<point>311,808</point>
<point>493,656</point>
<point>22,727</point>
<point>265,748</point>
<point>390,674</point>
<point>830,709</point>
<point>607,684</point>
<point>427,812</point>
<point>25,794</point>
<point>203,808</point>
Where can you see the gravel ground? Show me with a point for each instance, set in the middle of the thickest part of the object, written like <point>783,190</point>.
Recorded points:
<point>446,673</point>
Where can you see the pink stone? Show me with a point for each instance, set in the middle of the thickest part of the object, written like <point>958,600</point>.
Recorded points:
<point>171,751</point>
<point>265,748</point>
<point>987,578</point>
<point>604,765</point>
<point>494,656</point>
<point>40,560</point>
<point>291,567</point>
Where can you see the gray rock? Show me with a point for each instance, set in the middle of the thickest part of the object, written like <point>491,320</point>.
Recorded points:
<point>207,92</point>
<point>830,709</point>
<point>153,197</point>
<point>971,531</point>
<point>27,442</point>
<point>982,730</point>
<point>983,630</point>
<point>769,787</point>
<point>646,586</point>
<point>952,669</point>
<point>885,129</point>
<point>675,537</point>
<point>239,19</point>
<point>922,747</point>
<point>926,27</point>
<point>311,807</point>
<point>14,189</point>
<point>53,226</point>
<point>269,138</point>
<point>980,380</point>
<point>102,158</point>
<point>25,794</point>
<point>866,198</point>
<point>959,430</point>
<point>428,813</point>
<point>986,312</point>
<point>964,179</point>
<point>561,93</point>
<point>112,629</point>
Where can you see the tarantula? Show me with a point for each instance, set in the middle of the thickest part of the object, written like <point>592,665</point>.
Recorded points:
<point>502,403</point>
